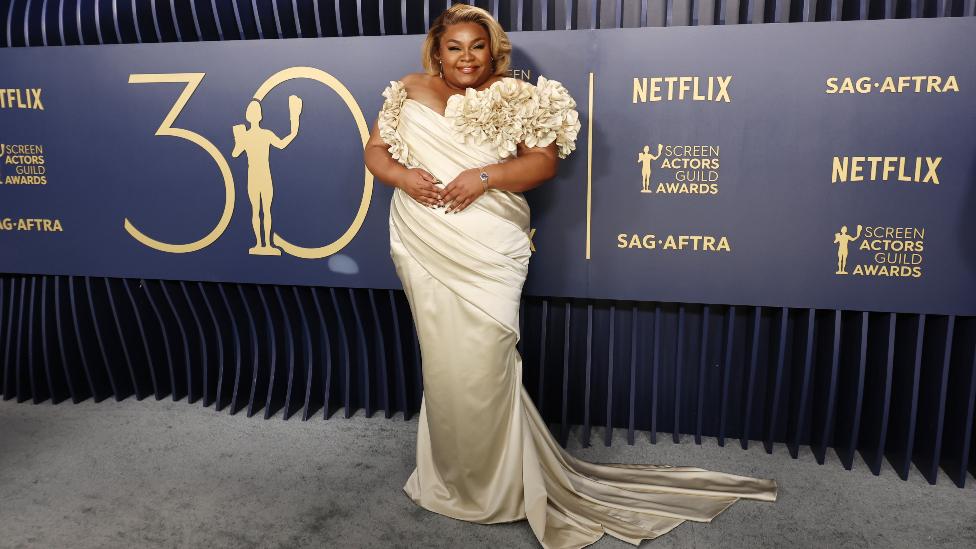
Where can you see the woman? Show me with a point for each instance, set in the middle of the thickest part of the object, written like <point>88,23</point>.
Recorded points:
<point>460,143</point>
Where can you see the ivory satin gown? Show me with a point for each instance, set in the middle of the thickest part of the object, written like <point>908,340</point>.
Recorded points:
<point>484,454</point>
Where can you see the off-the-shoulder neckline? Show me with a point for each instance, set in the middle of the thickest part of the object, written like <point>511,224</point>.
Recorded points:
<point>452,96</point>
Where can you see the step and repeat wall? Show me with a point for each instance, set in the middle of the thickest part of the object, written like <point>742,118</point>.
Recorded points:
<point>791,166</point>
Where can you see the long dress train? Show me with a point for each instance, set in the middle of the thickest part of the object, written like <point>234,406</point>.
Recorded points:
<point>484,454</point>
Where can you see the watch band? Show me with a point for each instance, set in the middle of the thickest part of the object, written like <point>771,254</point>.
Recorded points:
<point>484,179</point>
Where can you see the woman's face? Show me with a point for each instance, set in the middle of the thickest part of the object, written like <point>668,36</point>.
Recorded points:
<point>465,55</point>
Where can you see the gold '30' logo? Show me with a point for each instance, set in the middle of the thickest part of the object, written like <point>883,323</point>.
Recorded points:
<point>192,81</point>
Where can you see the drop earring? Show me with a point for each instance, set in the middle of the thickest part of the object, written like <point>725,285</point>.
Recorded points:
<point>442,69</point>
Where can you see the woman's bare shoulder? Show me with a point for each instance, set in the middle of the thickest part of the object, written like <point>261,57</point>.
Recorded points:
<point>416,81</point>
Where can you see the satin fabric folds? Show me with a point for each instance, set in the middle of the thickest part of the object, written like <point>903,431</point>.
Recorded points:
<point>484,453</point>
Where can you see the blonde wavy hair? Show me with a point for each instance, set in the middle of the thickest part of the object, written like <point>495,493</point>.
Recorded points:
<point>501,47</point>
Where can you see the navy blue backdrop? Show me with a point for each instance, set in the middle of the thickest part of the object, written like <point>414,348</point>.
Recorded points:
<point>769,149</point>
<point>886,384</point>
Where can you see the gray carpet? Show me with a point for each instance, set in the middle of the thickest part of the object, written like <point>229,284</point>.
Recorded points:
<point>165,474</point>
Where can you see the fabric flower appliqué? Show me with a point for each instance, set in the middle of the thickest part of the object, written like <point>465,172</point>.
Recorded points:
<point>512,111</point>
<point>508,112</point>
<point>388,119</point>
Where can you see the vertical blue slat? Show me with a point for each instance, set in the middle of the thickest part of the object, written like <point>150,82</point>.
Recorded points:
<point>135,22</point>
<point>308,351</point>
<point>3,362</point>
<point>145,341</point>
<point>359,16</point>
<point>155,16</point>
<point>191,395</point>
<point>564,423</point>
<point>679,364</point>
<point>10,21</point>
<point>905,466</point>
<point>255,352</point>
<point>655,367</point>
<point>98,24</point>
<point>367,390</point>
<point>847,458</point>
<point>401,370</point>
<point>326,353</point>
<point>702,361</point>
<point>289,355</point>
<point>174,391</point>
<point>751,383</point>
<point>967,423</point>
<point>382,19</point>
<point>196,20</point>
<point>221,362</point>
<point>931,473</point>
<point>543,344</point>
<point>277,20</point>
<point>204,363</point>
<point>255,358</point>
<point>403,16</point>
<point>139,392</point>
<point>21,396</point>
<point>338,19</point>
<point>96,395</point>
<point>31,365</point>
<point>81,34</point>
<point>272,339</point>
<point>874,464</point>
<point>116,389</point>
<point>726,375</point>
<point>257,19</point>
<point>61,21</point>
<point>381,352</point>
<point>45,351</point>
<point>346,356</point>
<point>44,21</point>
<point>827,432</point>
<point>176,21</point>
<point>115,21</point>
<point>27,20</point>
<point>220,35</point>
<point>9,368</point>
<point>75,391</point>
<point>81,352</point>
<point>608,434</point>
<point>805,384</point>
<point>589,367</point>
<point>237,19</point>
<point>778,383</point>
<point>238,358</point>
<point>633,373</point>
<point>318,20</point>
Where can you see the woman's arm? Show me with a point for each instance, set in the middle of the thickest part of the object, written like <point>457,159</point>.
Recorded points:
<point>416,182</point>
<point>532,167</point>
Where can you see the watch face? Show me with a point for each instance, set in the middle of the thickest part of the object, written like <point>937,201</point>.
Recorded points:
<point>484,176</point>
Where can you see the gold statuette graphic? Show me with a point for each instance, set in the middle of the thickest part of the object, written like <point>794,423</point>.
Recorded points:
<point>644,159</point>
<point>842,239</point>
<point>256,142</point>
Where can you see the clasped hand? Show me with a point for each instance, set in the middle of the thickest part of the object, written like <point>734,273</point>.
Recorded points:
<point>456,195</point>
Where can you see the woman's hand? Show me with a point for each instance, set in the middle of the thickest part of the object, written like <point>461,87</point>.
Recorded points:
<point>419,184</point>
<point>463,190</point>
